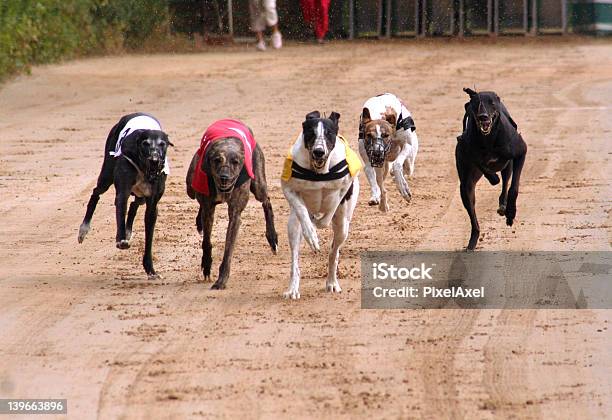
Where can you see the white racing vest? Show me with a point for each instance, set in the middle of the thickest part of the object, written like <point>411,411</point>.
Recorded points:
<point>142,122</point>
<point>378,105</point>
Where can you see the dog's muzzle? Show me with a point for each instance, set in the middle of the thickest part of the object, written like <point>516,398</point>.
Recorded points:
<point>225,183</point>
<point>377,151</point>
<point>485,123</point>
<point>154,165</point>
<point>318,159</point>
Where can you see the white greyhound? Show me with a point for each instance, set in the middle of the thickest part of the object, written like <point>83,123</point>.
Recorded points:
<point>387,141</point>
<point>321,185</point>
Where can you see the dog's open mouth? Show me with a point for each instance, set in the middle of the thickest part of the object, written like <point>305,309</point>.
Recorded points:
<point>318,163</point>
<point>226,186</point>
<point>485,125</point>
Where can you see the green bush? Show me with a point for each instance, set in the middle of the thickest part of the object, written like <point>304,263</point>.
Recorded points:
<point>43,31</point>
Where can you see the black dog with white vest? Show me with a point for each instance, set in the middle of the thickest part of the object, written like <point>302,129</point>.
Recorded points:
<point>135,161</point>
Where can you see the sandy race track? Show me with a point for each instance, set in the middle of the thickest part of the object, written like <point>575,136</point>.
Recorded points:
<point>83,322</point>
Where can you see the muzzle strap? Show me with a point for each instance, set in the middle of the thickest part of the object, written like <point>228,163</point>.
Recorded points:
<point>340,170</point>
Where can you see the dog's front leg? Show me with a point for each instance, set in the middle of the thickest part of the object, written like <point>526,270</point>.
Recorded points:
<point>121,200</point>
<point>370,175</point>
<point>150,220</point>
<point>131,216</point>
<point>398,171</point>
<point>294,230</point>
<point>517,168</point>
<point>206,213</point>
<point>234,210</point>
<point>381,175</point>
<point>308,230</point>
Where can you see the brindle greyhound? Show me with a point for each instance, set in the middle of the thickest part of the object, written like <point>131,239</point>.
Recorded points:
<point>224,163</point>
<point>135,161</point>
<point>490,143</point>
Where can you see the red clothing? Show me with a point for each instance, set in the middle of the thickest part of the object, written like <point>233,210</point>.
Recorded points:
<point>219,130</point>
<point>316,14</point>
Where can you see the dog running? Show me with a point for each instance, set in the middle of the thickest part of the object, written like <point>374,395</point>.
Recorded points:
<point>490,143</point>
<point>227,165</point>
<point>135,161</point>
<point>387,142</point>
<point>320,181</point>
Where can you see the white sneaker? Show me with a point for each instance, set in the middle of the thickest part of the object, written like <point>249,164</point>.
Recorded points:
<point>261,45</point>
<point>277,40</point>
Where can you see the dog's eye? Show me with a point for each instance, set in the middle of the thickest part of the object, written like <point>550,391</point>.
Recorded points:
<point>162,144</point>
<point>384,136</point>
<point>235,161</point>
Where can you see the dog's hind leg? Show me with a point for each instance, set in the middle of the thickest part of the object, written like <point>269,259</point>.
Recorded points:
<point>503,197</point>
<point>370,175</point>
<point>294,230</point>
<point>398,171</point>
<point>259,189</point>
<point>235,207</point>
<point>138,201</point>
<point>105,180</point>
<point>409,165</point>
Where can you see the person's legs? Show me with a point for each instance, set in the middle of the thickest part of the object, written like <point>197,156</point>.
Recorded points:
<point>322,19</point>
<point>258,22</point>
<point>308,11</point>
<point>272,21</point>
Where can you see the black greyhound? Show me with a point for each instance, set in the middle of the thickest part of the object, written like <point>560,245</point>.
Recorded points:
<point>490,143</point>
<point>138,170</point>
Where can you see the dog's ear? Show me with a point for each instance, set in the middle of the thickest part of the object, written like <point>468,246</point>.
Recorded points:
<point>167,139</point>
<point>335,117</point>
<point>312,115</point>
<point>391,119</point>
<point>206,163</point>
<point>365,116</point>
<point>470,92</point>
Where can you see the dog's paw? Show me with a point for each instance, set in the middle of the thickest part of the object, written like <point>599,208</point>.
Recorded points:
<point>374,201</point>
<point>501,210</point>
<point>123,244</point>
<point>333,287</point>
<point>83,230</point>
<point>217,285</point>
<point>406,195</point>
<point>154,276</point>
<point>510,213</point>
<point>383,206</point>
<point>292,293</point>
<point>310,234</point>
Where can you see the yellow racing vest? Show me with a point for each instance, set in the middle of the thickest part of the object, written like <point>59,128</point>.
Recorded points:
<point>352,164</point>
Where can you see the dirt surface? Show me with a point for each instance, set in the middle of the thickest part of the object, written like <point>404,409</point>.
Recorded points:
<point>83,322</point>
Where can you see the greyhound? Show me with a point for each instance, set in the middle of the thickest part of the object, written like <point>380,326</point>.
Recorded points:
<point>227,165</point>
<point>135,161</point>
<point>387,143</point>
<point>320,181</point>
<point>490,143</point>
